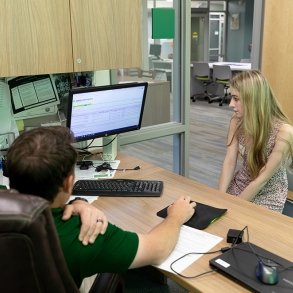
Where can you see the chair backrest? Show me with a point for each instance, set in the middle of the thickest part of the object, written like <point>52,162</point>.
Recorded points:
<point>290,180</point>
<point>222,72</point>
<point>200,69</point>
<point>31,256</point>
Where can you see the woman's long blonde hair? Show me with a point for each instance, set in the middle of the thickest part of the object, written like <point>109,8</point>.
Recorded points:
<point>260,110</point>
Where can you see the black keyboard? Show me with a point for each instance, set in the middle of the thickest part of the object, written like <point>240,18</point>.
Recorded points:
<point>118,187</point>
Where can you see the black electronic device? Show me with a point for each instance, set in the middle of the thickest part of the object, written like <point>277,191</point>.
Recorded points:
<point>102,111</point>
<point>155,50</point>
<point>84,165</point>
<point>118,188</point>
<point>204,215</point>
<point>102,167</point>
<point>234,236</point>
<point>241,264</point>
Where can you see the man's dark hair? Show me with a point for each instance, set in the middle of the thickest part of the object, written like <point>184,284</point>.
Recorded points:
<point>39,160</point>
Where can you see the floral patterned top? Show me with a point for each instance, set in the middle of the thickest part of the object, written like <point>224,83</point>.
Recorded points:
<point>274,193</point>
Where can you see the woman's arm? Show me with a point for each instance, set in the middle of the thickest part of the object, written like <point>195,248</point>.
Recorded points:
<point>279,154</point>
<point>230,160</point>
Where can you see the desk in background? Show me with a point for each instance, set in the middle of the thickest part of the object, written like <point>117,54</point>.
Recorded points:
<point>267,229</point>
<point>235,66</point>
<point>167,64</point>
<point>162,64</point>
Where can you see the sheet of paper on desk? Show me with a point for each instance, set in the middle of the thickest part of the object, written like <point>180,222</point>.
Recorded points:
<point>190,240</point>
<point>92,174</point>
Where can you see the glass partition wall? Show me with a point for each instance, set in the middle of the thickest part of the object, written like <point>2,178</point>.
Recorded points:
<point>164,137</point>
<point>203,32</point>
<point>224,30</point>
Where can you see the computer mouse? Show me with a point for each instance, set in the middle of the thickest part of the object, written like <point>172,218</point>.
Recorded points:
<point>267,272</point>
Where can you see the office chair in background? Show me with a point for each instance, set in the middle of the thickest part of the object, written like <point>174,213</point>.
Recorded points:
<point>221,76</point>
<point>199,81</point>
<point>288,208</point>
<point>30,252</point>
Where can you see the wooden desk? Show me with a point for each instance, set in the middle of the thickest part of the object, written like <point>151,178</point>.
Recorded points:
<point>268,229</point>
<point>163,64</point>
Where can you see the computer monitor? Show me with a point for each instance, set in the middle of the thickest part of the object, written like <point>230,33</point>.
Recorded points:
<point>105,110</point>
<point>155,50</point>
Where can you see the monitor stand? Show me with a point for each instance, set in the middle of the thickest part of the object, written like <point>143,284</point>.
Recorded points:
<point>80,145</point>
<point>109,148</point>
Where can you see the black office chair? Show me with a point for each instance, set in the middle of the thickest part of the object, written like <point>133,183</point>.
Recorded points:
<point>30,252</point>
<point>200,79</point>
<point>288,207</point>
<point>221,76</point>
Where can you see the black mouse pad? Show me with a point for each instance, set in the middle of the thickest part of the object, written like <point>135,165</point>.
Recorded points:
<point>204,215</point>
<point>239,263</point>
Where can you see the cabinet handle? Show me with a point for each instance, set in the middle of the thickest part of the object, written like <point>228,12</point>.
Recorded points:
<point>78,60</point>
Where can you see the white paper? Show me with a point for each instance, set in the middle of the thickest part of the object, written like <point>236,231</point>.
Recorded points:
<point>190,240</point>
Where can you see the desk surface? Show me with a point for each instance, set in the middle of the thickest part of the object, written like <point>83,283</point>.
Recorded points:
<point>267,229</point>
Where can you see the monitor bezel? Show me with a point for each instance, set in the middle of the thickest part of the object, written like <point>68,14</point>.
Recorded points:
<point>109,132</point>
<point>155,47</point>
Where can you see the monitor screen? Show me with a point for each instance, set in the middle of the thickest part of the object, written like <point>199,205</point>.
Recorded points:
<point>105,110</point>
<point>33,96</point>
<point>155,49</point>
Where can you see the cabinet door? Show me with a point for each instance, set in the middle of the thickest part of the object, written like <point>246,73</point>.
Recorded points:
<point>277,59</point>
<point>35,37</point>
<point>106,34</point>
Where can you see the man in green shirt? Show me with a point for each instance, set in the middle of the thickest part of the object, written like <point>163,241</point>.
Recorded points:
<point>41,162</point>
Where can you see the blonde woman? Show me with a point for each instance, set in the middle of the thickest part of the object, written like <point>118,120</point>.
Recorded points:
<point>262,135</point>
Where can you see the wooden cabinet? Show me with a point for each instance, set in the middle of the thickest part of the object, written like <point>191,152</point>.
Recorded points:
<point>54,36</point>
<point>277,60</point>
<point>106,34</point>
<point>35,37</point>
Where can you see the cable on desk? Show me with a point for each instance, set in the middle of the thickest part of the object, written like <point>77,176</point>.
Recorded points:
<point>190,253</point>
<point>223,249</point>
<point>257,255</point>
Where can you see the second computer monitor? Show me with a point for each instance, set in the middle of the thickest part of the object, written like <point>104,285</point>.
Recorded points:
<point>155,50</point>
<point>105,110</point>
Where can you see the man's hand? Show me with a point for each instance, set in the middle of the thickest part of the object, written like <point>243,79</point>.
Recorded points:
<point>182,209</point>
<point>93,221</point>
